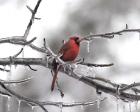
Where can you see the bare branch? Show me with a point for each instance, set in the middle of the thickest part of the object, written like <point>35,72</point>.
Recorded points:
<point>37,18</point>
<point>31,68</point>
<point>104,80</point>
<point>32,19</point>
<point>16,55</point>
<point>29,9</point>
<point>130,86</point>
<point>74,104</point>
<point>16,81</point>
<point>5,94</point>
<point>16,40</point>
<point>112,91</point>
<point>23,61</point>
<point>110,35</point>
<point>96,65</point>
<point>3,69</point>
<point>22,98</point>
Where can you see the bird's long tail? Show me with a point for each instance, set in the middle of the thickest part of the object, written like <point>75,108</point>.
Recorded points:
<point>55,73</point>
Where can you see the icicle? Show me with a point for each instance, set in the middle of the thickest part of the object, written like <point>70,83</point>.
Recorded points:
<point>91,72</point>
<point>98,102</point>
<point>15,66</point>
<point>136,105</point>
<point>88,46</point>
<point>47,59</point>
<point>23,53</point>
<point>82,107</point>
<point>10,73</point>
<point>117,105</point>
<point>14,84</point>
<point>70,68</point>
<point>75,66</point>
<point>9,99</point>
<point>33,107</point>
<point>19,104</point>
<point>139,35</point>
<point>8,104</point>
<point>129,106</point>
<point>61,107</point>
<point>64,68</point>
<point>124,107</point>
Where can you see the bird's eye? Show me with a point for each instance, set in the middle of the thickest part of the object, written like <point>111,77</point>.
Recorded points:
<point>76,38</point>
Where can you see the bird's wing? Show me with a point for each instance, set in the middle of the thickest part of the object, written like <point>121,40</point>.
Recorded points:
<point>64,48</point>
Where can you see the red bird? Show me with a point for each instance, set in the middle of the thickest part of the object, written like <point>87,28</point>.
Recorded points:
<point>69,52</point>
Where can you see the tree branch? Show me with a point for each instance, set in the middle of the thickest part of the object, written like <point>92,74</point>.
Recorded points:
<point>16,40</point>
<point>96,65</point>
<point>15,81</point>
<point>42,104</point>
<point>110,35</point>
<point>69,72</point>
<point>23,61</point>
<point>112,91</point>
<point>32,19</point>
<point>11,92</point>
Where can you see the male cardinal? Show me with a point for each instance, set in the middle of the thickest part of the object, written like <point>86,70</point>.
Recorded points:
<point>69,52</point>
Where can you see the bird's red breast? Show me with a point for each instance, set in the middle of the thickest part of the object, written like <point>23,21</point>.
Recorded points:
<point>70,49</point>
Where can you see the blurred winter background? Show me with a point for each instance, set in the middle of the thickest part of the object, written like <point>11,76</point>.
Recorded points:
<point>60,20</point>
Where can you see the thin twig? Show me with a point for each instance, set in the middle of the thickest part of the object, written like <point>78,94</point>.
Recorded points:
<point>16,81</point>
<point>23,61</point>
<point>16,40</point>
<point>110,35</point>
<point>96,65</point>
<point>104,80</point>
<point>31,19</point>
<point>31,68</point>
<point>4,94</point>
<point>130,86</point>
<point>3,69</point>
<point>16,55</point>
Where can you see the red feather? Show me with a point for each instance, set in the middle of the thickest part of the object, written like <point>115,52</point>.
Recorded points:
<point>69,52</point>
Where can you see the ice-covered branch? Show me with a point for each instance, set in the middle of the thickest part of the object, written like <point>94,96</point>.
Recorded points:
<point>16,40</point>
<point>72,104</point>
<point>110,90</point>
<point>96,65</point>
<point>32,102</point>
<point>23,61</point>
<point>19,97</point>
<point>110,35</point>
<point>117,90</point>
<point>69,71</point>
<point>130,86</point>
<point>15,81</point>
